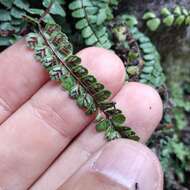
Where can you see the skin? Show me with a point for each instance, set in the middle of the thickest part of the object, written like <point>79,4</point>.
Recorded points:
<point>48,143</point>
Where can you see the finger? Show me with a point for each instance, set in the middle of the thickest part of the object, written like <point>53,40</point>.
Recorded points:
<point>45,125</point>
<point>120,165</point>
<point>20,77</point>
<point>143,108</point>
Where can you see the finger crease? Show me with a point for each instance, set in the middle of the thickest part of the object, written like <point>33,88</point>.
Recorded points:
<point>4,105</point>
<point>43,113</point>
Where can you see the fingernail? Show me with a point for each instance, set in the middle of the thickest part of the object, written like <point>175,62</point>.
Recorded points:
<point>130,164</point>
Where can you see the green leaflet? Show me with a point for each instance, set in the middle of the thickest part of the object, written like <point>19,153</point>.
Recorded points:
<point>55,53</point>
<point>103,125</point>
<point>169,20</point>
<point>5,15</point>
<point>153,24</point>
<point>56,8</point>
<point>17,13</point>
<point>22,4</point>
<point>7,3</point>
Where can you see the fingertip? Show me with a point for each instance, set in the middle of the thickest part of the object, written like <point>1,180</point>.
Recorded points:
<point>119,165</point>
<point>137,165</point>
<point>142,106</point>
<point>109,66</point>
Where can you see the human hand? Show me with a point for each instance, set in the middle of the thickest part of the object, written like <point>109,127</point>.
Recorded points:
<point>39,123</point>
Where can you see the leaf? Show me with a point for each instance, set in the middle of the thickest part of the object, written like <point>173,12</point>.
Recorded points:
<point>127,132</point>
<point>131,21</point>
<point>169,20</point>
<point>97,87</point>
<point>22,4</point>
<point>91,40</point>
<point>118,119</point>
<point>89,80</point>
<point>101,17</point>
<point>74,91</point>
<point>75,5</point>
<point>81,24</point>
<point>177,10</point>
<point>102,95</point>
<point>36,11</point>
<point>148,69</point>
<point>165,12</point>
<point>4,41</point>
<point>91,109</point>
<point>80,71</point>
<point>150,63</point>
<point>149,50</point>
<point>112,134</point>
<point>146,45</point>
<point>153,24</point>
<point>88,100</point>
<point>149,57</point>
<point>80,100</point>
<point>143,39</point>
<point>133,70</point>
<point>185,11</point>
<point>17,13</point>
<point>179,20</point>
<point>6,26</point>
<point>68,83</point>
<point>7,3</point>
<point>87,32</point>
<point>102,125</point>
<point>46,3</point>
<point>187,20</point>
<point>4,15</point>
<point>56,9</point>
<point>79,4</point>
<point>78,13</point>
<point>49,19</point>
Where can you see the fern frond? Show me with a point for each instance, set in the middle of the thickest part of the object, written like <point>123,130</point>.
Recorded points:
<point>127,49</point>
<point>152,73</point>
<point>12,24</point>
<point>179,16</point>
<point>91,16</point>
<point>55,52</point>
<point>146,64</point>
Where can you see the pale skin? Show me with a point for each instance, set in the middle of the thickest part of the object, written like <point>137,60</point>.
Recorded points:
<point>39,121</point>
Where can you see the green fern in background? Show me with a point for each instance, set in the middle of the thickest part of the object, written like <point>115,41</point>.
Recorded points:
<point>178,16</point>
<point>12,24</point>
<point>91,17</point>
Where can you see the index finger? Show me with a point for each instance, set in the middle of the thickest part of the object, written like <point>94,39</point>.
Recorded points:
<point>20,77</point>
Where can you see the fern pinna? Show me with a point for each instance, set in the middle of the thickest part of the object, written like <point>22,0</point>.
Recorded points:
<point>55,52</point>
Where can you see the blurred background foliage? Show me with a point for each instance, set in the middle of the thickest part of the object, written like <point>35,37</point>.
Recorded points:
<point>151,37</point>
